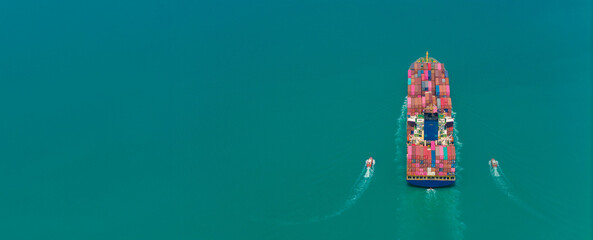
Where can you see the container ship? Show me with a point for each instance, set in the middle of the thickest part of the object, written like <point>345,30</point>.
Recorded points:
<point>431,150</point>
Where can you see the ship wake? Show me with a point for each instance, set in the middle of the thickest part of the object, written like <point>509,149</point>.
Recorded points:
<point>431,194</point>
<point>494,171</point>
<point>400,137</point>
<point>503,184</point>
<point>500,181</point>
<point>426,205</point>
<point>457,225</point>
<point>356,192</point>
<point>358,188</point>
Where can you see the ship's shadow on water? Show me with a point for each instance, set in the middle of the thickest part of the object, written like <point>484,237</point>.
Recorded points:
<point>419,207</point>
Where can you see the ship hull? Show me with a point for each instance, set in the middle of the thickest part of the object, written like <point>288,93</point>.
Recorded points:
<point>430,183</point>
<point>431,152</point>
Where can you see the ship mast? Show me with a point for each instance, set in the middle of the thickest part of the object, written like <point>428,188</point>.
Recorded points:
<point>426,56</point>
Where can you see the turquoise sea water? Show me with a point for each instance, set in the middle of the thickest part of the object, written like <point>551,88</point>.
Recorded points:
<point>252,119</point>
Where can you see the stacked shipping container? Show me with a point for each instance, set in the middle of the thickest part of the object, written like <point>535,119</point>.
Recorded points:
<point>422,160</point>
<point>428,87</point>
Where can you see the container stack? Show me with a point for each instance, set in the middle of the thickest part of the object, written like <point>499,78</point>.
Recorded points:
<point>429,91</point>
<point>429,82</point>
<point>448,163</point>
<point>431,161</point>
<point>419,161</point>
<point>427,161</point>
<point>444,104</point>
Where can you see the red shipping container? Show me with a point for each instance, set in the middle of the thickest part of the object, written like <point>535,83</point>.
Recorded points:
<point>454,153</point>
<point>437,153</point>
<point>420,155</point>
<point>422,152</point>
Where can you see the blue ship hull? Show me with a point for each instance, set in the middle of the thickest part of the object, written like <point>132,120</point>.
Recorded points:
<point>430,183</point>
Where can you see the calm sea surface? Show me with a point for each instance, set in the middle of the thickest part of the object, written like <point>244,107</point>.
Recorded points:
<point>252,119</point>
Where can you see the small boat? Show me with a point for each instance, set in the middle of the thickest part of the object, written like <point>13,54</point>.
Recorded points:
<point>370,163</point>
<point>493,163</point>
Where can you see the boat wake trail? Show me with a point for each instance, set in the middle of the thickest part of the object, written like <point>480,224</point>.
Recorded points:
<point>500,181</point>
<point>494,172</point>
<point>360,186</point>
<point>457,225</point>
<point>357,190</point>
<point>503,184</point>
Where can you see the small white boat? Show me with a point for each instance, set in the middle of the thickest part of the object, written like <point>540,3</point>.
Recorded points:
<point>494,165</point>
<point>370,163</point>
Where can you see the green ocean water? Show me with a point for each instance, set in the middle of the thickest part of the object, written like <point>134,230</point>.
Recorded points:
<point>252,119</point>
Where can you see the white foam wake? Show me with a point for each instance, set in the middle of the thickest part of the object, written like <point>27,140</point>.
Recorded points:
<point>368,173</point>
<point>357,190</point>
<point>431,194</point>
<point>355,193</point>
<point>493,171</point>
<point>503,184</point>
<point>455,132</point>
<point>500,181</point>
<point>400,136</point>
<point>457,225</point>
